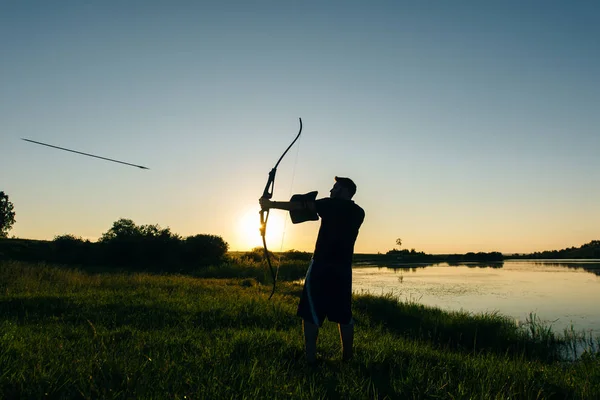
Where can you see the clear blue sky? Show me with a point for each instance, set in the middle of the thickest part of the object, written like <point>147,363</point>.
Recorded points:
<point>467,126</point>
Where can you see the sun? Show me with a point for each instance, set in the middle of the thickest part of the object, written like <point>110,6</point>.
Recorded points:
<point>248,229</point>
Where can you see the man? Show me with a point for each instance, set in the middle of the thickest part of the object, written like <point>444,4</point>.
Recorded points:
<point>327,289</point>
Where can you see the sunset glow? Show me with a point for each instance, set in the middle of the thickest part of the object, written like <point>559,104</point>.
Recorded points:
<point>466,126</point>
<point>248,235</point>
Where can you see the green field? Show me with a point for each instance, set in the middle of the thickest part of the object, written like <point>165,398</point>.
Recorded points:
<point>65,333</point>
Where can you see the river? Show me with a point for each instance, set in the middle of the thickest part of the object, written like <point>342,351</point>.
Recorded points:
<point>561,293</point>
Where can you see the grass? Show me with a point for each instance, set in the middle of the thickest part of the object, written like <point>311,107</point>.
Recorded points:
<point>65,333</point>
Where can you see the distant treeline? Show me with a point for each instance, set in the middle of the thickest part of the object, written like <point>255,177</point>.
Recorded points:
<point>126,245</point>
<point>588,250</point>
<point>416,256</point>
<point>395,257</point>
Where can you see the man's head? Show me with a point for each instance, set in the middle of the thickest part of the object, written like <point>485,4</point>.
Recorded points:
<point>343,188</point>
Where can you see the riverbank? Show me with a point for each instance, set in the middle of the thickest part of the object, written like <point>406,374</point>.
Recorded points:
<point>65,333</point>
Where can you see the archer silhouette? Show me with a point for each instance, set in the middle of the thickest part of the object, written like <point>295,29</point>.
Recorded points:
<point>327,291</point>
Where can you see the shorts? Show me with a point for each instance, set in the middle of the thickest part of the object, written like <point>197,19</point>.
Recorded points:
<point>327,294</point>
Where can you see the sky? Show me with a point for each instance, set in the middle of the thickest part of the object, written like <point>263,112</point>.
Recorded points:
<point>466,125</point>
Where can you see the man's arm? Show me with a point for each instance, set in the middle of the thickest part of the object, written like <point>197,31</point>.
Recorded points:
<point>267,204</point>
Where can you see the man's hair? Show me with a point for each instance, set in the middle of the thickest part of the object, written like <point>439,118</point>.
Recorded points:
<point>347,183</point>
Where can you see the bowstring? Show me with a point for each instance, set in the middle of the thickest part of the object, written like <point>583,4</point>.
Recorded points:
<point>289,196</point>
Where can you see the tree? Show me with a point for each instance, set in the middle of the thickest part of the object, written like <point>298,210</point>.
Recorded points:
<point>126,243</point>
<point>205,249</point>
<point>122,229</point>
<point>7,215</point>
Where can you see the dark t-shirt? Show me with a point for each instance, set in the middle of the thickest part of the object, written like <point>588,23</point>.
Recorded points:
<point>340,221</point>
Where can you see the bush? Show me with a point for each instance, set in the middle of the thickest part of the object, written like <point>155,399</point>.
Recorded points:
<point>256,255</point>
<point>203,250</point>
<point>144,246</point>
<point>70,249</point>
<point>297,255</point>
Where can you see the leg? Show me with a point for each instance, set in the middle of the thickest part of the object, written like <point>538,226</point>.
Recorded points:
<point>311,332</point>
<point>347,338</point>
<point>343,315</point>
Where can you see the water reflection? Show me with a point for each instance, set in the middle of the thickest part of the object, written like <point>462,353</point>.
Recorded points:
<point>563,293</point>
<point>592,266</point>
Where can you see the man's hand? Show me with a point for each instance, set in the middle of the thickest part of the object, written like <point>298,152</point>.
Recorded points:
<point>265,203</point>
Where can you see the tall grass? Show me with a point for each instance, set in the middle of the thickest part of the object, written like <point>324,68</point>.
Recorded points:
<point>65,333</point>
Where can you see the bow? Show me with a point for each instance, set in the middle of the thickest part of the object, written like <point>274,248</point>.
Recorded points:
<point>264,214</point>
